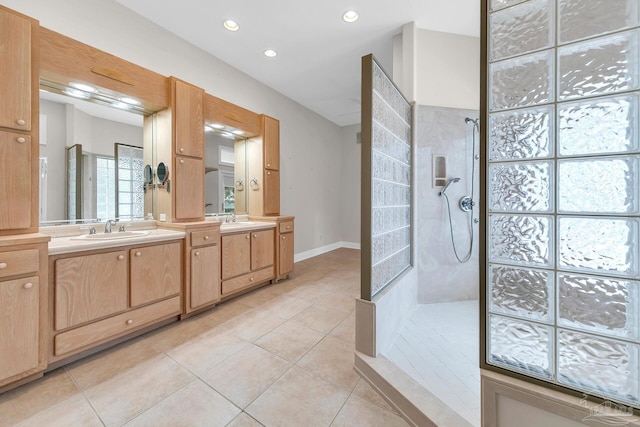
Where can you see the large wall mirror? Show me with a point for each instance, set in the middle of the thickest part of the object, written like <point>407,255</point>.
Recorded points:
<point>92,160</point>
<point>225,177</point>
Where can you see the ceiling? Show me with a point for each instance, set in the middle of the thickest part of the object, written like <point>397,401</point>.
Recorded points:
<point>318,61</point>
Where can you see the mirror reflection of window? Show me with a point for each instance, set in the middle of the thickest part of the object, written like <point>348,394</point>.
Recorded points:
<point>129,182</point>
<point>105,188</point>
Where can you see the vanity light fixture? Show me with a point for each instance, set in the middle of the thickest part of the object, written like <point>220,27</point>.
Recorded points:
<point>83,87</point>
<point>238,132</point>
<point>231,25</point>
<point>217,126</point>
<point>121,105</point>
<point>130,101</point>
<point>208,128</point>
<point>76,93</point>
<point>350,16</point>
<point>270,53</point>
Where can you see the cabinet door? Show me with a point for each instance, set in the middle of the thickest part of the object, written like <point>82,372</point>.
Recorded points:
<point>205,275</point>
<point>189,188</point>
<point>271,143</point>
<point>262,252</point>
<point>15,69</point>
<point>15,180</point>
<point>236,255</point>
<point>189,120</point>
<point>19,318</point>
<point>271,192</point>
<point>89,287</point>
<point>155,272</point>
<point>285,248</point>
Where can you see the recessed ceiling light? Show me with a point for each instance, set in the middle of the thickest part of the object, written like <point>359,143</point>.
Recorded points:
<point>350,16</point>
<point>83,87</point>
<point>130,101</point>
<point>270,53</point>
<point>231,25</point>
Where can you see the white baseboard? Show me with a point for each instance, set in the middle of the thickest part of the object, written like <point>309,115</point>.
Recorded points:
<point>324,249</point>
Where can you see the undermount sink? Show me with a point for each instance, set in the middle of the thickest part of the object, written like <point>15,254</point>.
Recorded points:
<point>112,236</point>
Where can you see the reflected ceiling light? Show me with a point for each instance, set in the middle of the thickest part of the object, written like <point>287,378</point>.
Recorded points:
<point>238,132</point>
<point>217,126</point>
<point>231,25</point>
<point>270,53</point>
<point>208,128</point>
<point>76,93</point>
<point>130,101</point>
<point>350,16</point>
<point>83,87</point>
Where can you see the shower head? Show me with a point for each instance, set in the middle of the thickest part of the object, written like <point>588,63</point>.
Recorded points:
<point>470,120</point>
<point>446,186</point>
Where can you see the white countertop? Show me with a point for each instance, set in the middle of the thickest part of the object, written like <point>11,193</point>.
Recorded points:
<point>238,227</point>
<point>68,244</point>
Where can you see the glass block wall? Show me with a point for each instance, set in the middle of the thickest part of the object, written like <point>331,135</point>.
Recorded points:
<point>386,156</point>
<point>563,193</point>
<point>130,181</point>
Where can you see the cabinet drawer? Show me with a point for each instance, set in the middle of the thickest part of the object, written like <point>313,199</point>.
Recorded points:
<point>286,227</point>
<point>18,262</point>
<point>115,326</point>
<point>203,238</point>
<point>250,279</point>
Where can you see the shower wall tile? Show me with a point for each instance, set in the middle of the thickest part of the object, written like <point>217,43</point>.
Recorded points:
<point>586,18</point>
<point>521,187</point>
<point>522,292</point>
<point>598,126</point>
<point>495,5</point>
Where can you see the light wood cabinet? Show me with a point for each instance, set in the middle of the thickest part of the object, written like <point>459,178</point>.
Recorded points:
<point>247,260</point>
<point>263,161</point>
<point>104,295</point>
<point>271,192</point>
<point>205,276</point>
<point>90,287</point>
<point>271,136</point>
<point>189,188</point>
<point>15,180</point>
<point>285,248</point>
<point>188,119</point>
<point>23,307</point>
<point>155,273</point>
<point>15,69</point>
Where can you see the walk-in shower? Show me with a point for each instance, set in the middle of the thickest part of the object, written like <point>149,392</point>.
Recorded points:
<point>466,203</point>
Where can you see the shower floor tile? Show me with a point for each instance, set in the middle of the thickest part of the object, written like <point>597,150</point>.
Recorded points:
<point>439,348</point>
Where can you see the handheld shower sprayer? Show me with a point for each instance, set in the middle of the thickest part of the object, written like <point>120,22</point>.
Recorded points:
<point>446,187</point>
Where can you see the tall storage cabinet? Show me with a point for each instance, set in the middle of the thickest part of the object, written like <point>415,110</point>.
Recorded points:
<point>263,159</point>
<point>19,62</point>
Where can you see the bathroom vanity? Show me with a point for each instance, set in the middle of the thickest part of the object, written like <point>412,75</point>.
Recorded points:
<point>66,292</point>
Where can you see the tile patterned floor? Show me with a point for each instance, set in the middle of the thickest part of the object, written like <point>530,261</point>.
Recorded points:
<point>279,356</point>
<point>439,348</point>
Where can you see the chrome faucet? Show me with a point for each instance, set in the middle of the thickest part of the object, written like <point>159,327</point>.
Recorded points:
<point>230,218</point>
<point>108,224</point>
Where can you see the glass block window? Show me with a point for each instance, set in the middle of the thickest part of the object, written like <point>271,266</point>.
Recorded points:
<point>562,133</point>
<point>386,177</point>
<point>130,181</point>
<point>105,188</point>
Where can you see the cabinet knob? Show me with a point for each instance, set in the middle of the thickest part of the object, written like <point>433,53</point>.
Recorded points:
<point>268,173</point>
<point>138,253</point>
<point>120,257</point>
<point>182,150</point>
<point>251,279</point>
<point>3,265</point>
<point>197,253</point>
<point>288,227</point>
<point>21,122</point>
<point>181,161</point>
<point>255,235</point>
<point>247,236</point>
<point>206,237</point>
<point>28,285</point>
<point>268,165</point>
<point>21,139</point>
<point>129,322</point>
<point>284,238</point>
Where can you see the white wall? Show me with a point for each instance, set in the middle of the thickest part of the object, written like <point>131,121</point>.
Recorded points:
<point>349,205</point>
<point>310,173</point>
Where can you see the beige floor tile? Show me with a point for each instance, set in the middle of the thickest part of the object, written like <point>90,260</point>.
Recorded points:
<point>285,306</point>
<point>173,335</point>
<point>298,398</point>
<point>322,319</point>
<point>244,420</point>
<point>346,330</point>
<point>127,395</point>
<point>38,396</point>
<point>204,352</point>
<point>307,293</point>
<point>222,313</point>
<point>105,365</point>
<point>332,359</point>
<point>290,341</point>
<point>253,324</point>
<point>75,411</point>
<point>337,301</point>
<point>259,296</point>
<point>359,412</point>
<point>194,405</point>
<point>364,391</point>
<point>246,375</point>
